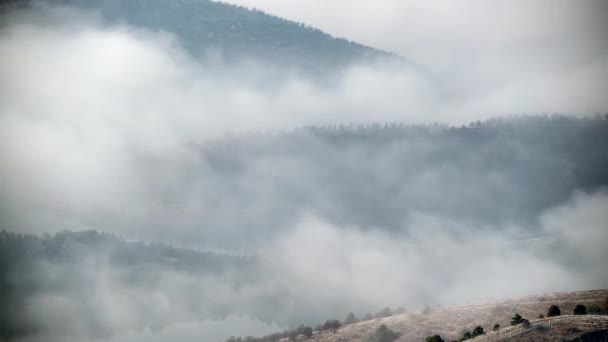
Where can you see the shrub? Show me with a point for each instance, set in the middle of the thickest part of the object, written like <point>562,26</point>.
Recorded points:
<point>517,319</point>
<point>435,338</point>
<point>466,336</point>
<point>478,331</point>
<point>496,327</point>
<point>553,311</point>
<point>580,310</point>
<point>331,324</point>
<point>525,323</point>
<point>541,316</point>
<point>383,334</point>
<point>368,317</point>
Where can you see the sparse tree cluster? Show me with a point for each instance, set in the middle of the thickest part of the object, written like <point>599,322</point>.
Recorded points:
<point>332,324</point>
<point>467,335</point>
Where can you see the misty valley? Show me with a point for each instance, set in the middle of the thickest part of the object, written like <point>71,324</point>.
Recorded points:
<point>198,170</point>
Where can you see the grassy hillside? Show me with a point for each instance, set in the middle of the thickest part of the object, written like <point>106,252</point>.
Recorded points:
<point>450,322</point>
<point>567,328</point>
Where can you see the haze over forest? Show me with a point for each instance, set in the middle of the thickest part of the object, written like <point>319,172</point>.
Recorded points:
<point>192,170</point>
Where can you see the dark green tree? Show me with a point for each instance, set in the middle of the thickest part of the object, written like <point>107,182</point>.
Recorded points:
<point>553,311</point>
<point>435,338</point>
<point>466,336</point>
<point>331,324</point>
<point>580,310</point>
<point>478,331</point>
<point>517,319</point>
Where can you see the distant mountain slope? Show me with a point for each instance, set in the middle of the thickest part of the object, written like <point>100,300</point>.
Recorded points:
<point>235,32</point>
<point>502,172</point>
<point>77,267</point>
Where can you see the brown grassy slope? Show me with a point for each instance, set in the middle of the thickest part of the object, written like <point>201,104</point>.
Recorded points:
<point>562,328</point>
<point>449,322</point>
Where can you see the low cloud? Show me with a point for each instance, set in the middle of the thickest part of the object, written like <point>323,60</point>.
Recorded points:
<point>111,114</point>
<point>318,271</point>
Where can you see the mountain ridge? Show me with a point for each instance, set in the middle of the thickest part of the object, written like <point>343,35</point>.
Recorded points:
<point>236,32</point>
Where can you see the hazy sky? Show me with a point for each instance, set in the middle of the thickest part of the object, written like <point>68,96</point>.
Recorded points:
<point>431,32</point>
<point>483,53</point>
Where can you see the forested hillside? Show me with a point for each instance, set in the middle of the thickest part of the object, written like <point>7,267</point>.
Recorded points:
<point>379,175</point>
<point>76,268</point>
<point>233,32</point>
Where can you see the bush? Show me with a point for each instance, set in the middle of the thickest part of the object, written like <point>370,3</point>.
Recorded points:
<point>466,336</point>
<point>435,338</point>
<point>541,316</point>
<point>525,323</point>
<point>383,334</point>
<point>517,319</point>
<point>496,327</point>
<point>331,324</point>
<point>553,311</point>
<point>368,317</point>
<point>478,331</point>
<point>580,310</point>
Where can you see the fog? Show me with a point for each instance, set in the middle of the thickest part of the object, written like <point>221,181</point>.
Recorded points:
<point>318,271</point>
<point>483,54</point>
<point>106,126</point>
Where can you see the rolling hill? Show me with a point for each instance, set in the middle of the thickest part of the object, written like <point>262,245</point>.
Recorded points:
<point>450,322</point>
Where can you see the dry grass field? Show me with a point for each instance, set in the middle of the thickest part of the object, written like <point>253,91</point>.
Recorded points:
<point>450,322</point>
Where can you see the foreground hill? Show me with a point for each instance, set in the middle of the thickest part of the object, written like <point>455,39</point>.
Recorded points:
<point>450,322</point>
<point>569,328</point>
<point>205,26</point>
